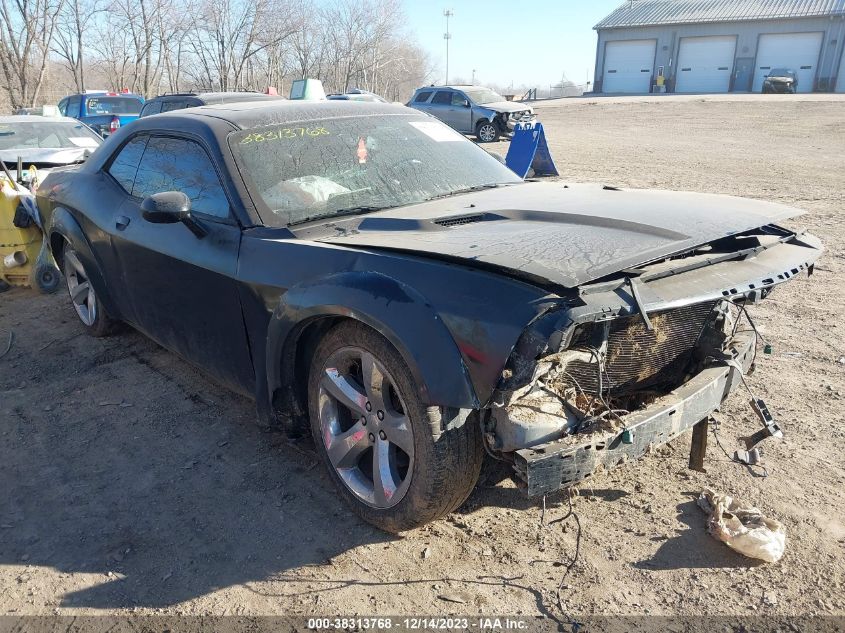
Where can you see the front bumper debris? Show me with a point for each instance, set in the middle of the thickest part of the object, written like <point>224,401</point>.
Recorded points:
<point>548,467</point>
<point>511,123</point>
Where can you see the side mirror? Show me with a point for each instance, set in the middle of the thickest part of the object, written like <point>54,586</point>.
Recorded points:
<point>170,207</point>
<point>466,103</point>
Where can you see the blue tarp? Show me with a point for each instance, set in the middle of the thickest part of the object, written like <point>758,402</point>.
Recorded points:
<point>529,150</point>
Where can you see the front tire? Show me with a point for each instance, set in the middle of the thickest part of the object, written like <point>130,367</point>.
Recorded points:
<point>486,132</point>
<point>398,463</point>
<point>89,309</point>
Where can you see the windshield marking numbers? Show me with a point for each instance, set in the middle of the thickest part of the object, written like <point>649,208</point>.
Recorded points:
<point>282,134</point>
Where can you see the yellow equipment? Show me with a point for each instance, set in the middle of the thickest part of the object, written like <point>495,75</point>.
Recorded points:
<point>19,248</point>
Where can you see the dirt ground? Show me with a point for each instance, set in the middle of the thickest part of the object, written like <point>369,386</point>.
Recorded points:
<point>131,483</point>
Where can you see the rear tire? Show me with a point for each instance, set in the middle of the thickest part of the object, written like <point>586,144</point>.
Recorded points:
<point>89,309</point>
<point>398,463</point>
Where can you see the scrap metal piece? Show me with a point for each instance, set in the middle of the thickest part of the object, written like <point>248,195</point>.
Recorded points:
<point>749,458</point>
<point>770,426</point>
<point>635,293</point>
<point>698,448</point>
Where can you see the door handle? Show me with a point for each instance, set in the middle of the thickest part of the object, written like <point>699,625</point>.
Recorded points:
<point>121,222</point>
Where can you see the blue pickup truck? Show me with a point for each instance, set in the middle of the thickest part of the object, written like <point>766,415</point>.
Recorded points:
<point>104,112</point>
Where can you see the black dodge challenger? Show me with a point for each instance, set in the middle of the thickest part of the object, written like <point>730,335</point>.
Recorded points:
<point>364,270</point>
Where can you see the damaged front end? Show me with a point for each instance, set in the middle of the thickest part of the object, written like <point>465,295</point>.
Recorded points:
<point>636,360</point>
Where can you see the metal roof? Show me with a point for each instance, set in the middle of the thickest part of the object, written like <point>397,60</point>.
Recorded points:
<point>654,12</point>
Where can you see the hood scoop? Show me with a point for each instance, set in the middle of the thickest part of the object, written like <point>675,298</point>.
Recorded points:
<point>458,220</point>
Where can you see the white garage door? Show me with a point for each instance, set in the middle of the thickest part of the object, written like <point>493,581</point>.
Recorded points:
<point>796,51</point>
<point>840,76</point>
<point>628,66</point>
<point>705,64</point>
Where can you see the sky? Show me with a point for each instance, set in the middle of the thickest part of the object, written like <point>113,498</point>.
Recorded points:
<point>529,43</point>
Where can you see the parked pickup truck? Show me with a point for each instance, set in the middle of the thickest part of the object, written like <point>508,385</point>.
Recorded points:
<point>104,112</point>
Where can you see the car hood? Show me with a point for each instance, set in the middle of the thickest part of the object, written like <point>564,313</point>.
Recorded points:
<point>505,106</point>
<point>561,234</point>
<point>65,156</point>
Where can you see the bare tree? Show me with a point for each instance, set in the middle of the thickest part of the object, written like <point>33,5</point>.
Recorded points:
<point>153,45</point>
<point>228,35</point>
<point>27,28</point>
<point>75,21</point>
<point>115,54</point>
<point>174,27</point>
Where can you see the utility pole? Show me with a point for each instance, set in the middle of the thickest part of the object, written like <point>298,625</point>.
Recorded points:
<point>473,76</point>
<point>447,13</point>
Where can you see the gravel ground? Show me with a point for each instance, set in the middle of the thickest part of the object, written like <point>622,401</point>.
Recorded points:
<point>131,483</point>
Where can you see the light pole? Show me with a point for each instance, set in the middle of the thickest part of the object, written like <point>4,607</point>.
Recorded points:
<point>447,13</point>
<point>473,76</point>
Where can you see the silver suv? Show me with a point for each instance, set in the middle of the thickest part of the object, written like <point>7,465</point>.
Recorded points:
<point>472,110</point>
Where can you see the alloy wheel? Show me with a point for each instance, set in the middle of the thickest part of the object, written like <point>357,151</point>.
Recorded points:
<point>80,289</point>
<point>487,132</point>
<point>365,428</point>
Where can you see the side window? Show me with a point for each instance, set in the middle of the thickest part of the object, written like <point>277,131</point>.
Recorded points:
<point>73,106</point>
<point>176,104</point>
<point>63,107</point>
<point>422,97</point>
<point>175,164</point>
<point>125,165</point>
<point>151,107</point>
<point>458,99</point>
<point>442,97</point>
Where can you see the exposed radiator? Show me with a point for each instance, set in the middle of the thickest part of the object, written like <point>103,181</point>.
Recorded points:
<point>637,358</point>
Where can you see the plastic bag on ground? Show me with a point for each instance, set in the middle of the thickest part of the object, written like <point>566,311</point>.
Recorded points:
<point>742,527</point>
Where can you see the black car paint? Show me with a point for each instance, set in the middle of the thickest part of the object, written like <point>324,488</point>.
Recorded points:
<point>247,302</point>
<point>237,302</point>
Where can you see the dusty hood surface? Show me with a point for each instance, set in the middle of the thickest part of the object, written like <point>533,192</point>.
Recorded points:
<point>566,235</point>
<point>505,106</point>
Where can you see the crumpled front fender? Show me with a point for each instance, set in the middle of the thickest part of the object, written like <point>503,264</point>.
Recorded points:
<point>393,309</point>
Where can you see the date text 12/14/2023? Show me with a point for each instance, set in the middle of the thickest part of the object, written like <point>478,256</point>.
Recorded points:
<point>419,623</point>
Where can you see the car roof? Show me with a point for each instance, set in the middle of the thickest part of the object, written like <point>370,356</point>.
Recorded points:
<point>104,93</point>
<point>37,118</point>
<point>451,87</point>
<point>220,97</point>
<point>250,114</point>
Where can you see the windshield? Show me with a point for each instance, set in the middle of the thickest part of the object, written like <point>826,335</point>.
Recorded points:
<point>484,95</point>
<point>328,167</point>
<point>780,72</point>
<point>47,135</point>
<point>113,105</point>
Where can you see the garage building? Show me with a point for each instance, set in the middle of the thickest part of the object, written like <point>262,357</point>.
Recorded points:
<point>711,46</point>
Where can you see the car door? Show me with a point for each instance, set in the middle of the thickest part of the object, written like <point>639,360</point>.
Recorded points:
<point>441,107</point>
<point>182,287</point>
<point>461,112</point>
